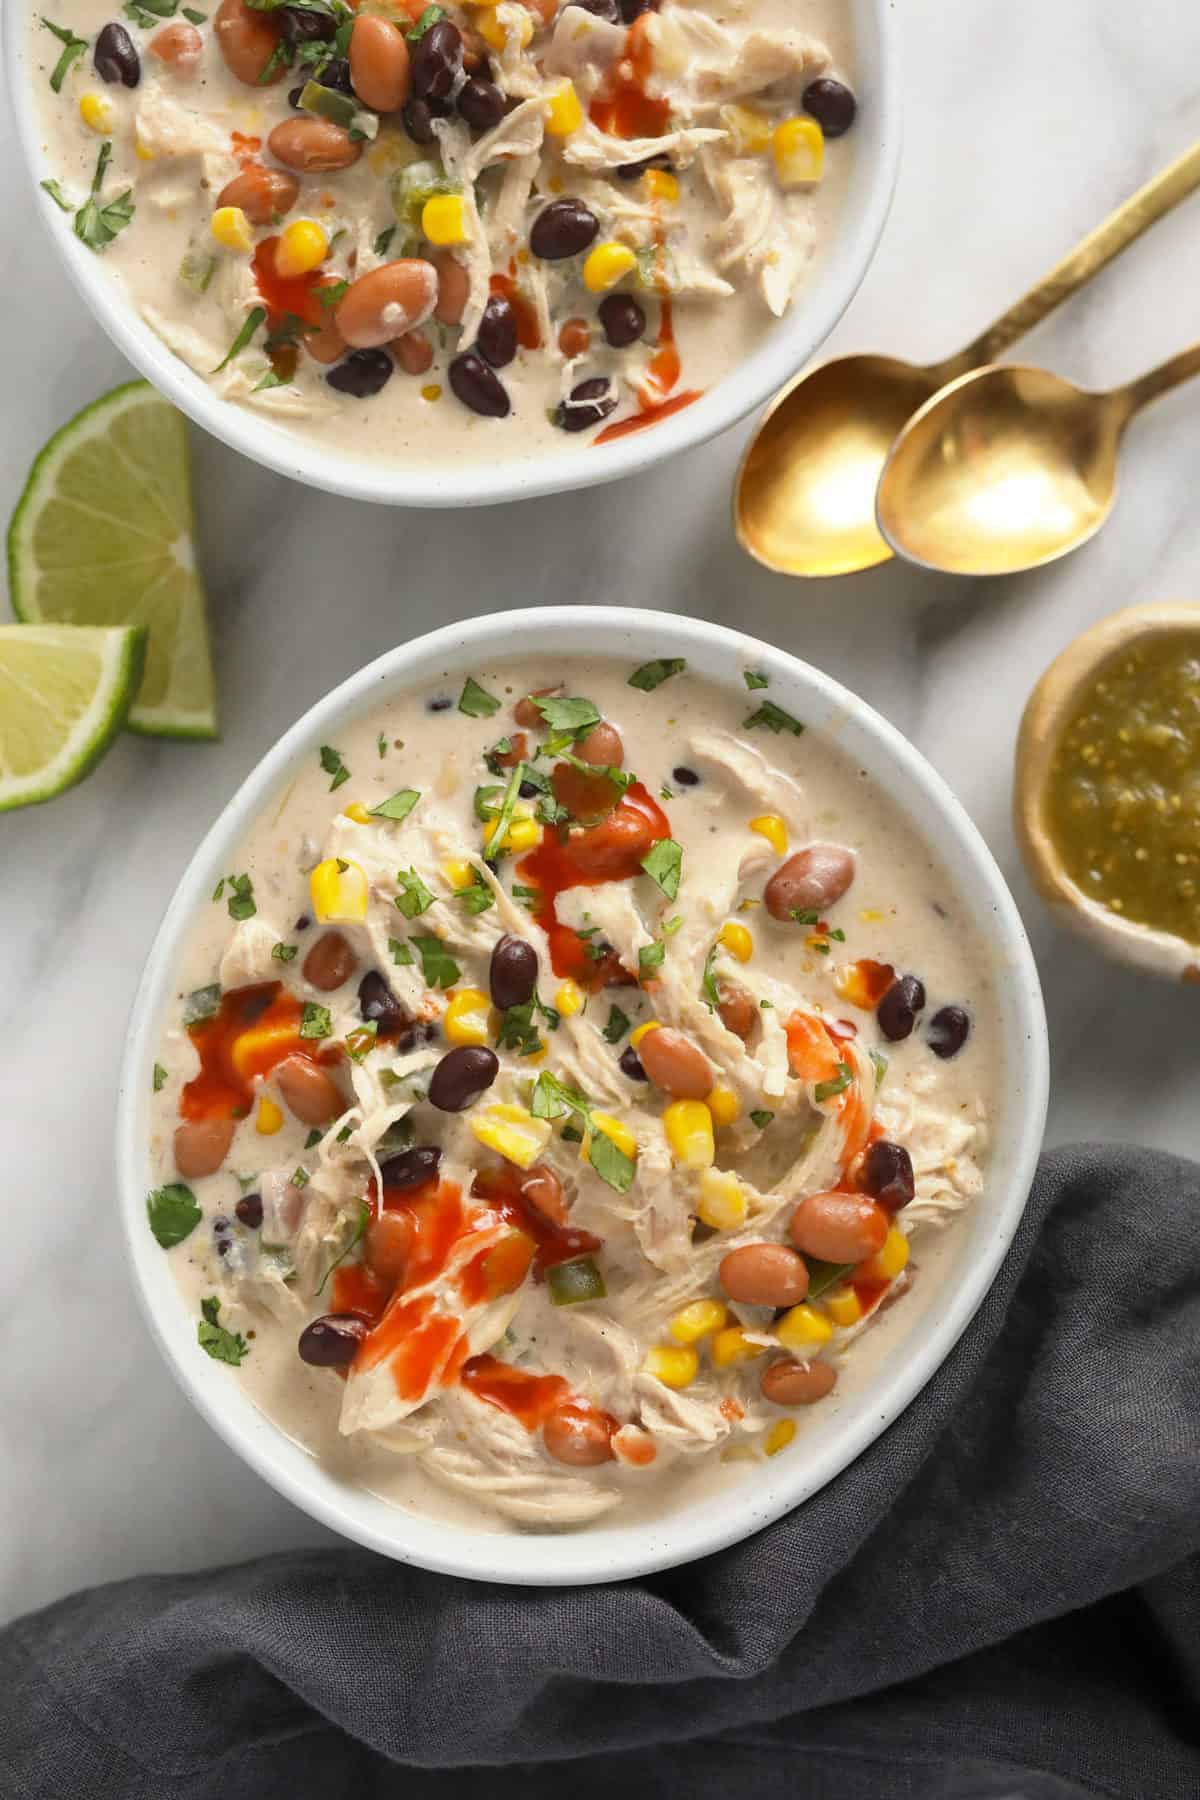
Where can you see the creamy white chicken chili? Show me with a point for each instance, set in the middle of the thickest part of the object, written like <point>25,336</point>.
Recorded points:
<point>560,1082</point>
<point>423,230</point>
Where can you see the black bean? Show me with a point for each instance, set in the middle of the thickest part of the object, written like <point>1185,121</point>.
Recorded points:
<point>600,9</point>
<point>412,1167</point>
<point>436,61</point>
<point>422,1032</point>
<point>478,387</point>
<point>333,74</point>
<point>362,374</point>
<point>631,171</point>
<point>377,1002</point>
<point>442,703</point>
<point>480,103</point>
<point>897,1011</point>
<point>332,1342</point>
<point>513,973</point>
<point>887,1175</point>
<point>588,402</point>
<point>249,1210</point>
<point>623,320</point>
<point>831,104</point>
<point>948,1031</point>
<point>563,228</point>
<point>685,777</point>
<point>461,1076</point>
<point>303,923</point>
<point>299,26</point>
<point>418,116</point>
<point>496,339</point>
<point>633,9</point>
<point>115,58</point>
<point>527,790</point>
<point>294,97</point>
<point>631,1063</point>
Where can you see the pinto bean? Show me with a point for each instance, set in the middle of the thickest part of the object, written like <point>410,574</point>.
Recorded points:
<point>737,1010</point>
<point>797,1383</point>
<point>201,1146</point>
<point>810,881</point>
<point>675,1064</point>
<point>379,63</point>
<point>247,41</point>
<point>525,712</point>
<point>764,1274</point>
<point>615,847</point>
<point>543,1190</point>
<point>313,146</point>
<point>308,1092</point>
<point>330,962</point>
<point>602,744</point>
<point>387,303</point>
<point>577,1437</point>
<point>264,195</point>
<point>388,1245</point>
<point>454,285</point>
<point>413,352</point>
<point>326,344</point>
<point>180,47</point>
<point>838,1228</point>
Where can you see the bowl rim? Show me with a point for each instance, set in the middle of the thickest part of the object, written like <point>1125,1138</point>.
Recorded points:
<point>788,346</point>
<point>597,1553</point>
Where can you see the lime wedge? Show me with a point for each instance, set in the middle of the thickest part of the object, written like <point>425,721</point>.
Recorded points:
<point>65,692</point>
<point>103,536</point>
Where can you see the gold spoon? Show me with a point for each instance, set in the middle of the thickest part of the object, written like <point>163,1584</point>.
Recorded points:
<point>1010,468</point>
<point>804,499</point>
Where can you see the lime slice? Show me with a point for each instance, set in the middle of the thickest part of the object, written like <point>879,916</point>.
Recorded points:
<point>103,536</point>
<point>65,692</point>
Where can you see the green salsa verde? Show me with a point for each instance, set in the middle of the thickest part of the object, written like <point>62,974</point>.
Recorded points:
<point>1123,798</point>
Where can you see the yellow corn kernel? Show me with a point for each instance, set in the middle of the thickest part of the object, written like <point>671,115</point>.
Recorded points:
<point>444,219</point>
<point>737,940</point>
<point>698,1320</point>
<point>458,873</point>
<point>261,1045</point>
<point>495,31</point>
<point>97,112</point>
<point>269,1119</point>
<point>606,265</point>
<point>432,392</point>
<point>302,247</point>
<point>641,1031</point>
<point>689,1128</point>
<point>749,130</point>
<point>339,891</point>
<point>675,1366</point>
<point>615,1132</point>
<point>722,1203</point>
<point>231,228</point>
<point>564,114</point>
<point>512,1132</point>
<point>887,1263</point>
<point>466,1017</point>
<point>660,184</point>
<point>358,812</point>
<point>724,1105</point>
<point>733,1346</point>
<point>803,1328</point>
<point>779,1436</point>
<point>522,834</point>
<point>569,998</point>
<point>843,1306</point>
<point>871,915</point>
<point>772,827</point>
<point>143,152</point>
<point>798,147</point>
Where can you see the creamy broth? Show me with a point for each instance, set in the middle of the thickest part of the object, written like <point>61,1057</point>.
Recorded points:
<point>721,247</point>
<point>659,1224</point>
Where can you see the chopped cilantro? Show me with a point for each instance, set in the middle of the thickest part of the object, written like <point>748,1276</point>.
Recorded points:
<point>518,1031</point>
<point>173,1214</point>
<point>611,1163</point>
<point>361,1041</point>
<point>671,926</point>
<point>360,1231</point>
<point>552,1098</point>
<point>193,17</point>
<point>73,48</point>
<point>399,951</point>
<point>508,806</point>
<point>285,953</point>
<point>437,964</point>
<point>398,807</point>
<point>528,896</point>
<point>381,746</point>
<point>331,762</point>
<point>474,700</point>
<point>666,793</point>
<point>774,718</point>
<point>551,811</point>
<point>618,1025</point>
<point>241,898</point>
<point>569,715</point>
<point>330,296</point>
<point>160,1077</point>
<point>879,1063</point>
<point>300,1177</point>
<point>96,225</point>
<point>316,1022</point>
<point>827,1090</point>
<point>754,680</point>
<point>502,747</point>
<point>488,801</point>
<point>383,244</point>
<point>56,194</point>
<point>414,897</point>
<point>476,898</point>
<point>272,379</point>
<point>652,674</point>
<point>201,1003</point>
<point>663,863</point>
<point>708,981</point>
<point>761,1118</point>
<point>343,1135</point>
<point>223,1346</point>
<point>620,778</point>
<point>651,956</point>
<point>428,18</point>
<point>219,889</point>
<point>571,1134</point>
<point>254,318</point>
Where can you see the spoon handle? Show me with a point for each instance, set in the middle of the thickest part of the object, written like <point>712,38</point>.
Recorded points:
<point>1096,251</point>
<point>1155,382</point>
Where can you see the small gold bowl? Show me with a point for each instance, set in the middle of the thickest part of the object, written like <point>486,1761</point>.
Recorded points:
<point>1049,708</point>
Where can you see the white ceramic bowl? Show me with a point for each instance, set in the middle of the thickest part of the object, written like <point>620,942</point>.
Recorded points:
<point>873,146</point>
<point>902,1350</point>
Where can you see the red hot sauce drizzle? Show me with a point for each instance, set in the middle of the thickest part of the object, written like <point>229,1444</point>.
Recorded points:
<point>250,1033</point>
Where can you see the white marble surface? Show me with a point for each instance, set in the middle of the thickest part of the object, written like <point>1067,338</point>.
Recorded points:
<point>1026,122</point>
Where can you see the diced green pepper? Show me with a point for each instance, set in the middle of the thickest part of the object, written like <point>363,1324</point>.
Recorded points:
<point>824,1275</point>
<point>339,109</point>
<point>411,187</point>
<point>571,1282</point>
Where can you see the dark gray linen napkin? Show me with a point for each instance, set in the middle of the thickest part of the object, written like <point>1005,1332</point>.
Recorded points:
<point>1000,1598</point>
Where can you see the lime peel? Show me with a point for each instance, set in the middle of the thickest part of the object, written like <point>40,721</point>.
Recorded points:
<point>65,693</point>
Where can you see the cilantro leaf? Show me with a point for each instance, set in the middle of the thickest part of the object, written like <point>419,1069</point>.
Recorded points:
<point>398,807</point>
<point>159,1078</point>
<point>315,1022</point>
<point>399,952</point>
<point>313,1138</point>
<point>570,715</point>
<point>223,1346</point>
<point>73,48</point>
<point>59,198</point>
<point>437,964</point>
<point>241,899</point>
<point>827,1090</point>
<point>476,898</point>
<point>708,982</point>
<point>527,896</point>
<point>618,1025</point>
<point>474,700</point>
<point>96,225</point>
<point>761,1117</point>
<point>285,953</point>
<point>173,1214</point>
<point>552,1098</point>
<point>611,1163</point>
<point>331,762</point>
<point>254,318</point>
<point>753,679</point>
<point>360,1231</point>
<point>651,956</point>
<point>663,863</point>
<point>201,1004</point>
<point>414,897</point>
<point>774,718</point>
<point>428,18</point>
<point>518,1031</point>
<point>383,244</point>
<point>652,674</point>
<point>508,806</point>
<point>381,746</point>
